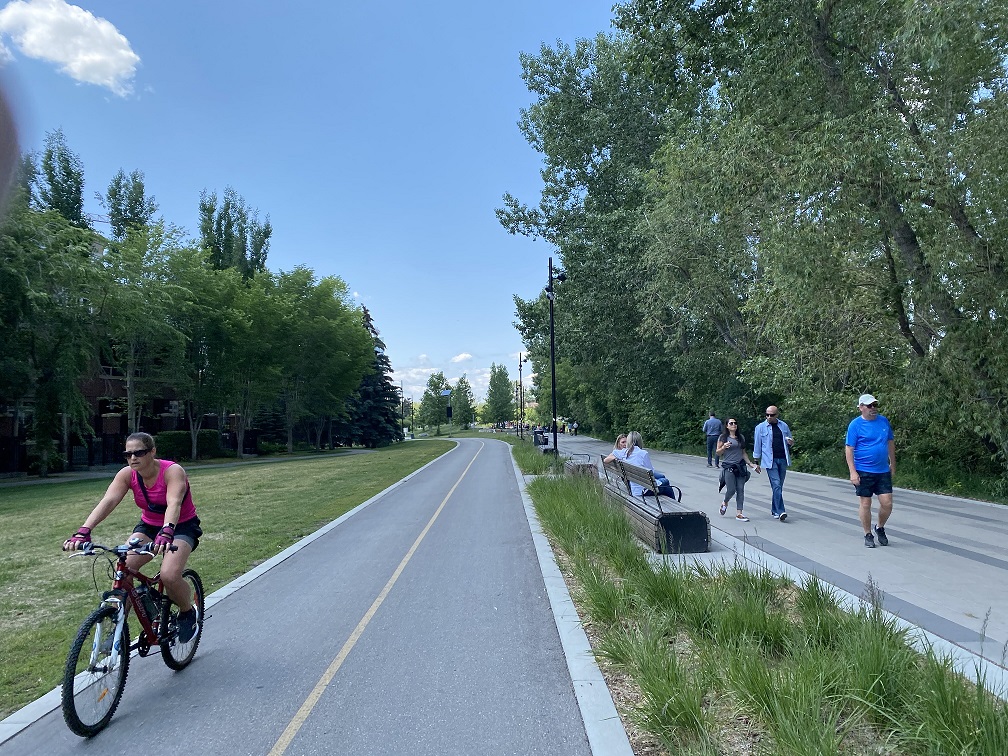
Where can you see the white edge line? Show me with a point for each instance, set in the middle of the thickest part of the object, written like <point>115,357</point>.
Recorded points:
<point>40,707</point>
<point>964,661</point>
<point>606,735</point>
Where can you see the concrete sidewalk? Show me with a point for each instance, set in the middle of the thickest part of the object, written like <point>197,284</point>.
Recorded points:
<point>945,570</point>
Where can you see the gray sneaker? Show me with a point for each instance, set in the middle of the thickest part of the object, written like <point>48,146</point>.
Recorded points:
<point>869,540</point>
<point>882,537</point>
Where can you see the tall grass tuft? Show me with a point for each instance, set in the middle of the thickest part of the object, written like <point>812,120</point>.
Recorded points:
<point>673,698</point>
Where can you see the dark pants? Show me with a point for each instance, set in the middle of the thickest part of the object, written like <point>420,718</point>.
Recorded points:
<point>711,446</point>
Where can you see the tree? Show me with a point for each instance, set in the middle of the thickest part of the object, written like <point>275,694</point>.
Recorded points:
<point>49,289</point>
<point>322,347</point>
<point>62,180</point>
<point>499,407</point>
<point>232,233</point>
<point>204,315</point>
<point>374,409</point>
<point>128,206</point>
<point>434,404</point>
<point>463,403</point>
<point>139,298</point>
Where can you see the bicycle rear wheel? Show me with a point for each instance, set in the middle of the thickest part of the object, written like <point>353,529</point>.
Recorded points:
<point>176,654</point>
<point>95,673</point>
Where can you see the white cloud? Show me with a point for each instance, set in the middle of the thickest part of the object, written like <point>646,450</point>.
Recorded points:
<point>461,357</point>
<point>86,48</point>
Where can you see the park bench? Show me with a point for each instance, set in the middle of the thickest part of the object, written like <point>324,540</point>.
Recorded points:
<point>659,521</point>
<point>581,464</point>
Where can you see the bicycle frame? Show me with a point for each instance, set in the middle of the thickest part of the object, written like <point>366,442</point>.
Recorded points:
<point>125,596</point>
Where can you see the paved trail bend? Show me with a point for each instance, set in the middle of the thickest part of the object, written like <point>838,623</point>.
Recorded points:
<point>427,609</point>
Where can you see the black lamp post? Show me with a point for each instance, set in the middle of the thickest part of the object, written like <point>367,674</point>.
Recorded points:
<point>517,414</point>
<point>521,398</point>
<point>559,277</point>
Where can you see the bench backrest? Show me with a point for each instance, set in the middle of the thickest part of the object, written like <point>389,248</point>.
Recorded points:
<point>614,473</point>
<point>639,475</point>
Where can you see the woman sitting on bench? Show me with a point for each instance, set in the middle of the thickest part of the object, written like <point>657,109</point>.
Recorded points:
<point>636,454</point>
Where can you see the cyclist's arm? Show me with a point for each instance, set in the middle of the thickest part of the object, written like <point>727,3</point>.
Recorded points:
<point>117,490</point>
<point>175,483</point>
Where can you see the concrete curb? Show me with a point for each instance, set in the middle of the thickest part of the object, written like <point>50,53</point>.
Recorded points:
<point>606,735</point>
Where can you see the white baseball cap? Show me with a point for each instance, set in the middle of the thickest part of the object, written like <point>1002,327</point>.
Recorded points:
<point>866,399</point>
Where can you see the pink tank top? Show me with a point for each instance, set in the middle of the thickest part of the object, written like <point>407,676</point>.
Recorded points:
<point>153,505</point>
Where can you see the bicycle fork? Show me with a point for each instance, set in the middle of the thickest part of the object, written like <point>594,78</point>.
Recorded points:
<point>110,646</point>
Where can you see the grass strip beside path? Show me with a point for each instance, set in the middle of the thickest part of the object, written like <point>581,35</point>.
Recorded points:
<point>729,660</point>
<point>248,512</point>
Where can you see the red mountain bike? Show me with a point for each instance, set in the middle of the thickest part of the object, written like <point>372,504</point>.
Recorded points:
<point>95,672</point>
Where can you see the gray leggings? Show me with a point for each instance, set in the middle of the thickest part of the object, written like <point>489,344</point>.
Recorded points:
<point>734,486</point>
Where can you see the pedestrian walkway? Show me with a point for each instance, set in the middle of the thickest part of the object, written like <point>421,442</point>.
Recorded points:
<point>945,570</point>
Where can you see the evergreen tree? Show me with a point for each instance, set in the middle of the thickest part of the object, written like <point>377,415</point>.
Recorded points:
<point>374,409</point>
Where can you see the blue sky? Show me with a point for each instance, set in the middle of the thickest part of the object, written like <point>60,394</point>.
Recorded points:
<point>379,138</point>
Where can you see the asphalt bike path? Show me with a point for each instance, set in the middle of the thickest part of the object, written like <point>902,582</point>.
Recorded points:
<point>419,625</point>
<point>945,570</point>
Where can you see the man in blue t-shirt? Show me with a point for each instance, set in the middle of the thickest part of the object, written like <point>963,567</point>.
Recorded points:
<point>871,459</point>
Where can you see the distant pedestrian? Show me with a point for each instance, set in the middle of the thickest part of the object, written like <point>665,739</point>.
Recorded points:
<point>574,427</point>
<point>772,442</point>
<point>713,430</point>
<point>731,447</point>
<point>871,459</point>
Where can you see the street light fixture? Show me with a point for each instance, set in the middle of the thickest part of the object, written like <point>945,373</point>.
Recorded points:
<point>559,277</point>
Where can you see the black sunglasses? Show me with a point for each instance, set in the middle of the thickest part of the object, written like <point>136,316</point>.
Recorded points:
<point>873,405</point>
<point>138,453</point>
<point>771,414</point>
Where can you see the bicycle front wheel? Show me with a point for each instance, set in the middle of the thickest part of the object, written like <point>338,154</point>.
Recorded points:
<point>176,654</point>
<point>95,673</point>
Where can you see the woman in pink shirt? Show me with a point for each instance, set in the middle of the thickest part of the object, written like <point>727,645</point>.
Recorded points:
<point>168,518</point>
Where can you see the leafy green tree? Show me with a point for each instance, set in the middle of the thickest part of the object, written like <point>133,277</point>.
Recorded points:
<point>49,288</point>
<point>252,374</point>
<point>61,180</point>
<point>463,403</point>
<point>323,348</point>
<point>204,315</point>
<point>434,405</point>
<point>128,206</point>
<point>137,305</point>
<point>500,405</point>
<point>374,408</point>
<point>232,234</point>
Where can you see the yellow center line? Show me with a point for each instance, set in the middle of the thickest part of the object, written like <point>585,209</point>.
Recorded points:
<point>313,698</point>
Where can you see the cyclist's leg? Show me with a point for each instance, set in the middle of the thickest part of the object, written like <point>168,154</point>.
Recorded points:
<point>172,565</point>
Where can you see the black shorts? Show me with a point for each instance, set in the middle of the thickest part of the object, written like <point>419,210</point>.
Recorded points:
<point>873,483</point>
<point>188,531</point>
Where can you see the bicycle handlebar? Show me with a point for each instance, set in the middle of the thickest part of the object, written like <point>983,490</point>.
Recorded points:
<point>123,550</point>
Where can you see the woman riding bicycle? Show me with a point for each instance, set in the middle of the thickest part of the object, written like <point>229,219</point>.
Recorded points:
<point>161,490</point>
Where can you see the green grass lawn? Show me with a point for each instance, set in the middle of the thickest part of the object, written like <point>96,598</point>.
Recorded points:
<point>248,512</point>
